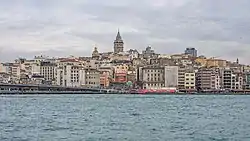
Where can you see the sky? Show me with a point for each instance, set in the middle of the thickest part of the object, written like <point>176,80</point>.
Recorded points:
<point>216,28</point>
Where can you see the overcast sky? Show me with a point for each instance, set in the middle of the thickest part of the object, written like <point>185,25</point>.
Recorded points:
<point>219,28</point>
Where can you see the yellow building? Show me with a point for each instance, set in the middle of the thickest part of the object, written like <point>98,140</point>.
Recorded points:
<point>216,63</point>
<point>190,81</point>
<point>211,62</point>
<point>202,61</point>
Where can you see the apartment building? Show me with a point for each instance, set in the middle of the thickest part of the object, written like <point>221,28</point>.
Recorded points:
<point>228,79</point>
<point>106,74</point>
<point>151,77</point>
<point>70,76</point>
<point>48,71</point>
<point>92,77</point>
<point>171,76</point>
<point>181,77</point>
<point>207,79</point>
<point>190,79</point>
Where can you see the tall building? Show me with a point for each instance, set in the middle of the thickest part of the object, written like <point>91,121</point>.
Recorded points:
<point>151,77</point>
<point>207,79</point>
<point>228,78</point>
<point>70,75</point>
<point>190,81</point>
<point>171,76</point>
<point>191,51</point>
<point>92,77</point>
<point>47,70</point>
<point>118,43</point>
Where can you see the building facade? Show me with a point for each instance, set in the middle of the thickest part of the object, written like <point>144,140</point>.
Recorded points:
<point>151,77</point>
<point>120,74</point>
<point>207,79</point>
<point>190,79</point>
<point>171,76</point>
<point>48,71</point>
<point>92,77</point>
<point>70,76</point>
<point>191,51</point>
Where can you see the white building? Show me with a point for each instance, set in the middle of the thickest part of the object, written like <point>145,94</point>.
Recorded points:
<point>171,76</point>
<point>35,69</point>
<point>70,76</point>
<point>48,71</point>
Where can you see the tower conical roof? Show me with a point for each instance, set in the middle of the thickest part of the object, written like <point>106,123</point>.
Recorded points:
<point>118,36</point>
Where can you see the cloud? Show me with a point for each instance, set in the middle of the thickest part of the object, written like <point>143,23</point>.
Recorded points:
<point>31,27</point>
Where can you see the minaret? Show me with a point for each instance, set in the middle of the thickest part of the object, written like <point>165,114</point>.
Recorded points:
<point>118,43</point>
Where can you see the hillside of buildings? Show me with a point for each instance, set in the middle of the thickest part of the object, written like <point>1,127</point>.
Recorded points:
<point>130,69</point>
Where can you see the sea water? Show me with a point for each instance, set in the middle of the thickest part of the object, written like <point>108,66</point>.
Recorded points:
<point>124,117</point>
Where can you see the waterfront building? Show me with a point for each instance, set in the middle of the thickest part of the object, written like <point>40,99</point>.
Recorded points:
<point>70,75</point>
<point>228,78</point>
<point>191,51</point>
<point>4,77</point>
<point>151,77</point>
<point>106,74</point>
<point>171,76</point>
<point>239,81</point>
<point>121,72</point>
<point>92,77</point>
<point>118,43</point>
<point>35,68</point>
<point>207,79</point>
<point>48,71</point>
<point>181,77</point>
<point>12,69</point>
<point>104,79</point>
<point>190,79</point>
<point>246,81</point>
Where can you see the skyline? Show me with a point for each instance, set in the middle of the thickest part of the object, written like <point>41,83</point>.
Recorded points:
<point>53,28</point>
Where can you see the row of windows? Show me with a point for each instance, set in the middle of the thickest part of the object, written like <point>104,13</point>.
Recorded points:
<point>154,79</point>
<point>192,79</point>
<point>156,74</point>
<point>154,85</point>
<point>189,74</point>
<point>154,70</point>
<point>187,83</point>
<point>92,83</point>
<point>76,80</point>
<point>90,77</point>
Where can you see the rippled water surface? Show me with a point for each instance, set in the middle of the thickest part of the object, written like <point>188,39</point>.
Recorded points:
<point>124,117</point>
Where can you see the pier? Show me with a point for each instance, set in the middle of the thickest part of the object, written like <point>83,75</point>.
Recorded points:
<point>48,89</point>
